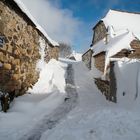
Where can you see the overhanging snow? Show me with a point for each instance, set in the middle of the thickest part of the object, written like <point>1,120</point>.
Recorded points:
<point>26,11</point>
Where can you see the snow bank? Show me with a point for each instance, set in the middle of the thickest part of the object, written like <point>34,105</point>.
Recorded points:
<point>27,12</point>
<point>128,81</point>
<point>78,56</point>
<point>94,118</point>
<point>115,44</point>
<point>52,77</point>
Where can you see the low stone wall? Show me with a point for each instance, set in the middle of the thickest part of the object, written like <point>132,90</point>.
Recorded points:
<point>135,44</point>
<point>86,58</point>
<point>103,86</point>
<point>108,88</point>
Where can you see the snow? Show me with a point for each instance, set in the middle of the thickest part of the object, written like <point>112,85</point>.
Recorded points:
<point>52,75</point>
<point>45,96</point>
<point>78,56</point>
<point>26,11</point>
<point>26,111</point>
<point>41,63</point>
<point>128,81</point>
<point>114,46</point>
<point>94,118</point>
<point>129,21</point>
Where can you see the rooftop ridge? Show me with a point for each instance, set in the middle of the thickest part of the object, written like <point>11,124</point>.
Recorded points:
<point>124,11</point>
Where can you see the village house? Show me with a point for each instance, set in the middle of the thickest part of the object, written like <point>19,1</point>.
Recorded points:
<point>20,41</point>
<point>114,37</point>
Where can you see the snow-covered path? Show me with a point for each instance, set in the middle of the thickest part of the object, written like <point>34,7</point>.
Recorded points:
<point>87,116</point>
<point>51,120</point>
<point>94,118</point>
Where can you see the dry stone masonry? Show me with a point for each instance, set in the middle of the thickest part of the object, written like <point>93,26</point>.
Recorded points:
<point>86,58</point>
<point>19,50</point>
<point>100,32</point>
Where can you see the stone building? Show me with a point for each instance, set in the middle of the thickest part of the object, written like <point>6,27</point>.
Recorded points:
<point>86,58</point>
<point>114,37</point>
<point>110,34</point>
<point>20,37</point>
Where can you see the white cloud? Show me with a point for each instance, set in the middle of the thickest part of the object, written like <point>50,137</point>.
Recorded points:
<point>59,23</point>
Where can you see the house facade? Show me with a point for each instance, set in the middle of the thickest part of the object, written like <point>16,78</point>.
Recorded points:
<point>106,35</point>
<point>19,48</point>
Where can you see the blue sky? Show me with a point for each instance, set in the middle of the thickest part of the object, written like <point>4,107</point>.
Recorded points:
<point>90,11</point>
<point>71,21</point>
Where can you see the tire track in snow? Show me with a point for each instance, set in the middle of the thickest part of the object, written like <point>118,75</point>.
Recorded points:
<point>50,121</point>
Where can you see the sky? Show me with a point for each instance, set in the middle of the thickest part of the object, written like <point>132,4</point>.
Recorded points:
<point>71,21</point>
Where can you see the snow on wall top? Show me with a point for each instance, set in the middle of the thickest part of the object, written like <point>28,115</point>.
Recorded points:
<point>115,44</point>
<point>123,20</point>
<point>26,11</point>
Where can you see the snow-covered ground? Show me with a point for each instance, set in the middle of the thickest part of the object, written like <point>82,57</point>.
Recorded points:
<point>128,81</point>
<point>28,110</point>
<point>93,118</point>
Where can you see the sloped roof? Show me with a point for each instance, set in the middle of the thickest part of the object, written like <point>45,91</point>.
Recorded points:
<point>123,20</point>
<point>123,27</point>
<point>29,15</point>
<point>115,44</point>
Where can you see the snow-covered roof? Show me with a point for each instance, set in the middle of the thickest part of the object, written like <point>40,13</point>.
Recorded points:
<point>122,28</point>
<point>123,20</point>
<point>27,12</point>
<point>115,44</point>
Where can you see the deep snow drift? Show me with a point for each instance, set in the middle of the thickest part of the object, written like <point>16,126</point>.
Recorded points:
<point>128,81</point>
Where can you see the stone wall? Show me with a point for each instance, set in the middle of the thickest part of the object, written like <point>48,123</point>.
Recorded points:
<point>86,58</point>
<point>103,86</point>
<point>100,61</point>
<point>135,44</point>
<point>19,52</point>
<point>51,53</point>
<point>108,88</point>
<point>100,32</point>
